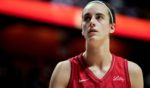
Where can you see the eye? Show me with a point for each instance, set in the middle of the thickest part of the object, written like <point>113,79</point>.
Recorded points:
<point>87,18</point>
<point>98,17</point>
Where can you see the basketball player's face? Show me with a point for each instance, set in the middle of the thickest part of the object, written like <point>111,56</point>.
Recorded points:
<point>95,22</point>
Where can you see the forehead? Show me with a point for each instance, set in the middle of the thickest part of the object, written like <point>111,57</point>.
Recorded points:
<point>93,8</point>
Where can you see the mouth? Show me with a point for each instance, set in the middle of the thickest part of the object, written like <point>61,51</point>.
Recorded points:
<point>92,30</point>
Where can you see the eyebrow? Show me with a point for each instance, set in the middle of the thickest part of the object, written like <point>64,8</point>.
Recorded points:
<point>88,14</point>
<point>100,14</point>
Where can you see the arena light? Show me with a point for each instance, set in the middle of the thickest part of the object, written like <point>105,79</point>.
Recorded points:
<point>133,28</point>
<point>71,17</point>
<point>45,12</point>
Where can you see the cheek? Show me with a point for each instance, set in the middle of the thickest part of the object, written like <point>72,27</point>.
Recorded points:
<point>84,27</point>
<point>83,31</point>
<point>105,27</point>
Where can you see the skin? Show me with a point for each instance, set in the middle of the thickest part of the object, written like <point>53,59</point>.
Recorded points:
<point>96,29</point>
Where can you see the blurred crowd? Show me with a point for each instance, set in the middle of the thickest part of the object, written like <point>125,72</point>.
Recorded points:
<point>134,8</point>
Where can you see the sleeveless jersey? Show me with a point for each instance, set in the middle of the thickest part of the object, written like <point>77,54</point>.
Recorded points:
<point>116,77</point>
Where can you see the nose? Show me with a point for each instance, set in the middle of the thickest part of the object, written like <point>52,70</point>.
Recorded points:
<point>92,23</point>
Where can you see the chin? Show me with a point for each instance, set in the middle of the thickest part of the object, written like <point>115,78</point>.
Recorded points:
<point>95,37</point>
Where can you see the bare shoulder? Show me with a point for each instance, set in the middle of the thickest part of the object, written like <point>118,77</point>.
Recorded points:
<point>61,75</point>
<point>63,66</point>
<point>136,75</point>
<point>133,67</point>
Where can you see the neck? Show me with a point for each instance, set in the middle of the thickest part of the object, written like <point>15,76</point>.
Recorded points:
<point>97,53</point>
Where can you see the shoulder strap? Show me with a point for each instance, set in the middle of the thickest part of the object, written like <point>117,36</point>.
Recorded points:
<point>127,73</point>
<point>74,70</point>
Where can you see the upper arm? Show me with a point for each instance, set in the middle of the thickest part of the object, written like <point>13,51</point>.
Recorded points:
<point>61,75</point>
<point>136,75</point>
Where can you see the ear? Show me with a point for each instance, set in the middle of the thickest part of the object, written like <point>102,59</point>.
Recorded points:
<point>112,28</point>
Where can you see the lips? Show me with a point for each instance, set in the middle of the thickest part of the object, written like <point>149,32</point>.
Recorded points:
<point>92,30</point>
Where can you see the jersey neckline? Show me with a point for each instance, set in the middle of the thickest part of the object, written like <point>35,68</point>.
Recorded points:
<point>92,75</point>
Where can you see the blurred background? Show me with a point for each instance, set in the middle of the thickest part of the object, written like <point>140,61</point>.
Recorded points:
<point>36,34</point>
